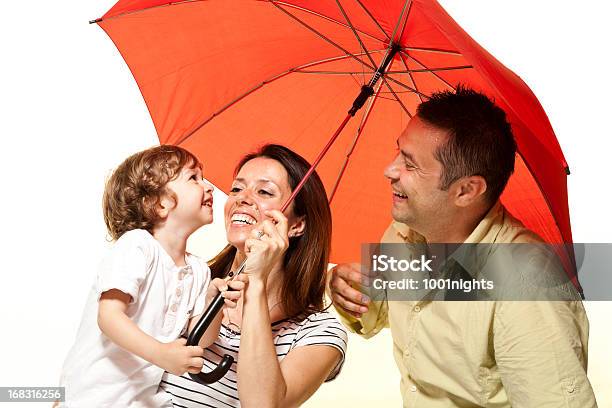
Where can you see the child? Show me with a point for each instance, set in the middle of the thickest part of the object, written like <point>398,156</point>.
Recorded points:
<point>148,288</point>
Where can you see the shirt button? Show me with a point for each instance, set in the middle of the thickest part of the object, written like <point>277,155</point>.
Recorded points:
<point>413,388</point>
<point>417,309</point>
<point>570,389</point>
<point>181,275</point>
<point>174,307</point>
<point>178,292</point>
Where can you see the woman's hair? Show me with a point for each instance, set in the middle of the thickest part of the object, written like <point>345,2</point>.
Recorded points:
<point>133,192</point>
<point>306,259</point>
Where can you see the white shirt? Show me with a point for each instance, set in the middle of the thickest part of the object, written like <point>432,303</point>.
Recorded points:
<point>98,373</point>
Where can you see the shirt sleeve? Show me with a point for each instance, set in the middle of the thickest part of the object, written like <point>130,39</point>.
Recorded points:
<point>541,352</point>
<point>324,329</point>
<point>376,318</point>
<point>126,266</point>
<point>370,323</point>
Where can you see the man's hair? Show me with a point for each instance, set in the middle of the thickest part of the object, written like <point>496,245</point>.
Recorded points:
<point>480,140</point>
<point>133,192</point>
<point>306,259</point>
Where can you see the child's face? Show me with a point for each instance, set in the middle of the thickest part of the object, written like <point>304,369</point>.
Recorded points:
<point>193,200</point>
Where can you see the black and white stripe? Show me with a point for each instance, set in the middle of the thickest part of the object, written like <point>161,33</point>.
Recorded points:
<point>317,329</point>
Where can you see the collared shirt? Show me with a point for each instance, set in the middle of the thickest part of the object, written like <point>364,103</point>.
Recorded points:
<point>98,373</point>
<point>484,353</point>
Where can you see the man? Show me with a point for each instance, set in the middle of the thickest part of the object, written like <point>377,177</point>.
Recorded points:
<point>454,160</point>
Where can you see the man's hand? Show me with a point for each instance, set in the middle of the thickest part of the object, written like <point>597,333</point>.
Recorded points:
<point>344,279</point>
<point>177,358</point>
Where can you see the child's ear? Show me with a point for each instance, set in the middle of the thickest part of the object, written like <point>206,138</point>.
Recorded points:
<point>166,203</point>
<point>297,228</point>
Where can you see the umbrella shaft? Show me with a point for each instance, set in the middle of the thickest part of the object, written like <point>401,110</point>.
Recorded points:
<point>366,92</point>
<point>316,162</point>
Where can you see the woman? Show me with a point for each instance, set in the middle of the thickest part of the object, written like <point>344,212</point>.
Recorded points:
<point>281,310</point>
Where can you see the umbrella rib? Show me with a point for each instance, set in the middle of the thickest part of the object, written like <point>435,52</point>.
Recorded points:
<point>396,91</point>
<point>303,71</point>
<point>403,85</point>
<point>384,78</point>
<point>425,66</point>
<point>432,69</point>
<point>324,17</point>
<point>173,3</point>
<point>397,98</point>
<point>364,120</point>
<point>260,85</point>
<point>373,19</point>
<point>405,22</point>
<point>433,50</point>
<point>410,75</point>
<point>328,72</point>
<point>391,45</point>
<point>321,35</point>
<point>399,20</point>
<point>348,21</point>
<point>546,200</point>
<point>386,97</point>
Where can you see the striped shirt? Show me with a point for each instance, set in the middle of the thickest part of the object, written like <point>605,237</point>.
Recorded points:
<point>321,328</point>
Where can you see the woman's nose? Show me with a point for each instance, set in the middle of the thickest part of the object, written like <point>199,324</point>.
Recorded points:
<point>244,197</point>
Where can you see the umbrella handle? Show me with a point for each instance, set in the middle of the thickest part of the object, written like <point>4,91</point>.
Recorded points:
<point>198,331</point>
<point>194,338</point>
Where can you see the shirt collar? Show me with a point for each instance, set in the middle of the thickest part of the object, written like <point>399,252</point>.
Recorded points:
<point>167,259</point>
<point>486,231</point>
<point>489,227</point>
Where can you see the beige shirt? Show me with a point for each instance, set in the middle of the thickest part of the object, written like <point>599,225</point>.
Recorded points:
<point>484,353</point>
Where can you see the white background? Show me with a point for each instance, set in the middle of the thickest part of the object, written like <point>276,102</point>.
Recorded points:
<point>70,112</point>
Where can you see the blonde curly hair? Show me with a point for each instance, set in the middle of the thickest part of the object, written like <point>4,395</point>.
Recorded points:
<point>133,192</point>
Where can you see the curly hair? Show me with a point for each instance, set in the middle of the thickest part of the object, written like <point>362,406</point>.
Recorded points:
<point>133,192</point>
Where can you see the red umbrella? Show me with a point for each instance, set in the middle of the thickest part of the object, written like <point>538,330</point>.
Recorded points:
<point>222,76</point>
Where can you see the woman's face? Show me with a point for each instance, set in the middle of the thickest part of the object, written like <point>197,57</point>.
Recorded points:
<point>261,184</point>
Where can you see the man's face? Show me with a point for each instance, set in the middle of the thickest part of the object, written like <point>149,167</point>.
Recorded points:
<point>415,177</point>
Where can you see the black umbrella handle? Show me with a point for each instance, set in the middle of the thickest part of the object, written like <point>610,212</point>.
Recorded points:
<point>198,331</point>
<point>194,339</point>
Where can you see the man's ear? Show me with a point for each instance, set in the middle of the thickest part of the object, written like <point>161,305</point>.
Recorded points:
<point>298,227</point>
<point>468,190</point>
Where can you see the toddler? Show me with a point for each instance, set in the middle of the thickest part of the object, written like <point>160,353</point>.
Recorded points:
<point>149,290</point>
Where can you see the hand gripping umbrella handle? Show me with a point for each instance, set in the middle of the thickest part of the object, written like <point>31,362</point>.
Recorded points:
<point>198,331</point>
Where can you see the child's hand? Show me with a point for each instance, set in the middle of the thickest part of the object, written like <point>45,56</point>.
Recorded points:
<point>177,358</point>
<point>220,285</point>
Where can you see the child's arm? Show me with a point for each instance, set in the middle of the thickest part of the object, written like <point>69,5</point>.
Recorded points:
<point>231,297</point>
<point>174,357</point>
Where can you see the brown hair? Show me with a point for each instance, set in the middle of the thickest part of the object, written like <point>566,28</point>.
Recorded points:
<point>306,259</point>
<point>480,140</point>
<point>133,192</point>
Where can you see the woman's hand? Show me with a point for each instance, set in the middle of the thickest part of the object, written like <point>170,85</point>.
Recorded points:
<point>267,245</point>
<point>231,290</point>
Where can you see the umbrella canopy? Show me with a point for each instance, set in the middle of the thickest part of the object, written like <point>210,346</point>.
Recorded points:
<point>221,77</point>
